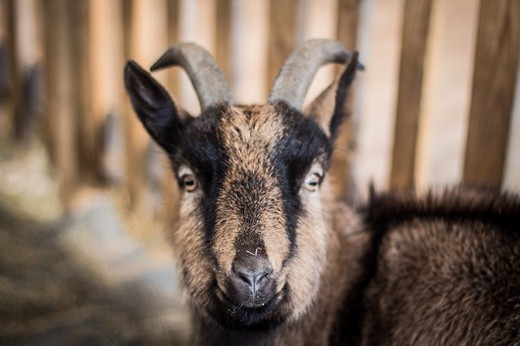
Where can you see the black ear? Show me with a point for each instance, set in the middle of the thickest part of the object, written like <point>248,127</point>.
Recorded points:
<point>342,92</point>
<point>328,109</point>
<point>154,106</point>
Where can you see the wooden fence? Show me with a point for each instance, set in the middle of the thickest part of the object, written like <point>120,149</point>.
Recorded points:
<point>437,104</point>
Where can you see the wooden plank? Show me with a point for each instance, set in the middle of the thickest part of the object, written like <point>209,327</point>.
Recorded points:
<point>414,38</point>
<point>347,30</point>
<point>223,37</point>
<point>146,41</point>
<point>447,92</point>
<point>59,72</point>
<point>171,193</point>
<point>249,48</point>
<point>106,59</point>
<point>318,19</point>
<point>380,48</point>
<point>174,36</point>
<point>23,43</point>
<point>87,129</point>
<point>348,22</point>
<point>17,106</point>
<point>512,169</point>
<point>282,34</point>
<point>494,78</point>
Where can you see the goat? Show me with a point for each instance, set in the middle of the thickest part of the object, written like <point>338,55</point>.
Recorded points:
<point>267,257</point>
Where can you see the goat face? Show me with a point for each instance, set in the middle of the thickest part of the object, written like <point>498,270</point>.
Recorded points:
<point>252,236</point>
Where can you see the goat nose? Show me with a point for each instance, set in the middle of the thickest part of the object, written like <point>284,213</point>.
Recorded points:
<point>251,282</point>
<point>253,271</point>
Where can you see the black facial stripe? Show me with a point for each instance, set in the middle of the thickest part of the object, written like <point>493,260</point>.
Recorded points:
<point>203,152</point>
<point>303,141</point>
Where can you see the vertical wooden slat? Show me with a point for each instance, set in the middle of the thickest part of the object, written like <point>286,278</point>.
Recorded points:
<point>282,34</point>
<point>414,38</point>
<point>446,96</point>
<point>348,22</point>
<point>17,106</point>
<point>86,135</point>
<point>147,40</point>
<point>223,37</point>
<point>380,47</point>
<point>347,29</point>
<point>197,24</point>
<point>173,37</point>
<point>511,180</point>
<point>59,72</point>
<point>106,59</point>
<point>318,19</point>
<point>171,190</point>
<point>249,46</point>
<point>24,72</point>
<point>496,63</point>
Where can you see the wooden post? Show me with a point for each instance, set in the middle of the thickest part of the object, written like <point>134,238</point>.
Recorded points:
<point>106,59</point>
<point>23,58</point>
<point>348,22</point>
<point>494,78</point>
<point>414,38</point>
<point>347,30</point>
<point>87,131</point>
<point>282,34</point>
<point>197,23</point>
<point>248,53</point>
<point>170,188</point>
<point>223,37</point>
<point>447,91</point>
<point>145,43</point>
<point>60,116</point>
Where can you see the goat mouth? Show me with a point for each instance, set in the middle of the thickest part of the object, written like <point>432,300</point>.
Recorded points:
<point>238,316</point>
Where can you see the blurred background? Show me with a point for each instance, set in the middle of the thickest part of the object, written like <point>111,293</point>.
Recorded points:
<point>438,105</point>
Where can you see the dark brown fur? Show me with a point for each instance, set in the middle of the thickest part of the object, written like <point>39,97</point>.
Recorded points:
<point>444,269</point>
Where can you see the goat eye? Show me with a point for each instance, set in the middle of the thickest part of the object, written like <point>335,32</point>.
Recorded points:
<point>189,182</point>
<point>312,181</point>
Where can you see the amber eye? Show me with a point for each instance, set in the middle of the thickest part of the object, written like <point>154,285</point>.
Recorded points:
<point>312,181</point>
<point>189,182</point>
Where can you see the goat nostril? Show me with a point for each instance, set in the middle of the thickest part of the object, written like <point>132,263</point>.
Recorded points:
<point>251,278</point>
<point>253,273</point>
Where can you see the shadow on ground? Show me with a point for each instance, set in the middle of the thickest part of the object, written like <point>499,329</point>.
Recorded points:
<point>82,280</point>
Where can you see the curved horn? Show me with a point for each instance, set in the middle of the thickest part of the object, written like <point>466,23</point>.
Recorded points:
<point>299,69</point>
<point>207,79</point>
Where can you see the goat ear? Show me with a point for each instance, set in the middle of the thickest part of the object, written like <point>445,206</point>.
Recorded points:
<point>329,108</point>
<point>153,105</point>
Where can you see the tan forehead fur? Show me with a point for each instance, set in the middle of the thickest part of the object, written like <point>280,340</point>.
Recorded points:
<point>249,135</point>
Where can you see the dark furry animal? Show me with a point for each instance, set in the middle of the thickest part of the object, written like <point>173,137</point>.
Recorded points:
<point>442,269</point>
<point>269,258</point>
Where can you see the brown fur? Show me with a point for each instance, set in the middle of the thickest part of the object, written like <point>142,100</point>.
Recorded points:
<point>446,271</point>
